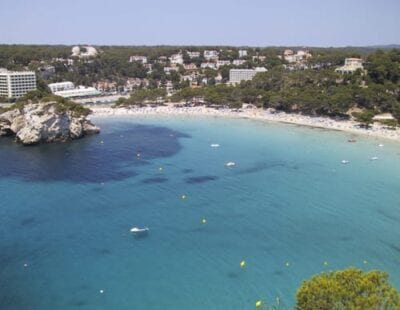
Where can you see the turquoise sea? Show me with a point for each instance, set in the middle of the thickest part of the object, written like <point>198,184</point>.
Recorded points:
<point>289,208</point>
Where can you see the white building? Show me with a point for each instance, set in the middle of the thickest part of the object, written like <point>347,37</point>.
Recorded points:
<point>68,61</point>
<point>80,91</point>
<point>133,83</point>
<point>259,58</point>
<point>176,59</point>
<point>238,75</point>
<point>76,50</point>
<point>137,58</point>
<point>300,55</point>
<point>55,87</point>
<point>290,58</point>
<point>238,62</point>
<point>221,63</point>
<point>68,90</point>
<point>211,55</point>
<point>193,54</point>
<point>210,65</point>
<point>15,84</point>
<point>89,51</point>
<point>170,69</point>
<point>242,53</point>
<point>351,65</point>
<point>190,67</point>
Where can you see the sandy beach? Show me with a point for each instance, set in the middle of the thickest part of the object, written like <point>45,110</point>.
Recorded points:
<point>376,130</point>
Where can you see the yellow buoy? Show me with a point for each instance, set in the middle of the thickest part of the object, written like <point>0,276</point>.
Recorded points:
<point>242,264</point>
<point>259,303</point>
<point>204,221</point>
<point>183,196</point>
<point>325,263</point>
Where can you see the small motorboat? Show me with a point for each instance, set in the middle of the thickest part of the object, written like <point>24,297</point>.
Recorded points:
<point>380,145</point>
<point>230,164</point>
<point>374,158</point>
<point>352,140</point>
<point>344,162</point>
<point>137,230</point>
<point>214,145</point>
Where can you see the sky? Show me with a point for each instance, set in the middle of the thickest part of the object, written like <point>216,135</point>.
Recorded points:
<point>201,22</point>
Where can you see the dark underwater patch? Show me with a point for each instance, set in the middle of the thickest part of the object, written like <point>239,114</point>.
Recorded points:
<point>278,273</point>
<point>257,167</point>
<point>100,158</point>
<point>233,275</point>
<point>395,247</point>
<point>102,251</point>
<point>154,180</point>
<point>28,221</point>
<point>79,303</point>
<point>346,238</point>
<point>187,170</point>
<point>201,179</point>
<point>388,216</point>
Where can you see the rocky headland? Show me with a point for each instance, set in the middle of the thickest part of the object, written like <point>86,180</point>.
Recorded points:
<point>46,122</point>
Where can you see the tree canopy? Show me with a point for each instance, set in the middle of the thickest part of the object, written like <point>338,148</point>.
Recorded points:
<point>350,289</point>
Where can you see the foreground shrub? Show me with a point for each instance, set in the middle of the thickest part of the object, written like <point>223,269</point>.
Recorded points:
<point>349,289</point>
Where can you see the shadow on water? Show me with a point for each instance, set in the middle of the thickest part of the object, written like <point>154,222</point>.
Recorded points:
<point>109,156</point>
<point>257,167</point>
<point>201,179</point>
<point>141,236</point>
<point>154,180</point>
<point>29,221</point>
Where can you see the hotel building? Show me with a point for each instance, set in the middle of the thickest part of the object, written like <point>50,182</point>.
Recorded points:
<point>351,65</point>
<point>15,84</point>
<point>238,75</point>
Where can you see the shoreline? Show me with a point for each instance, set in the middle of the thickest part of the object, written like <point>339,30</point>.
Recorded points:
<point>376,130</point>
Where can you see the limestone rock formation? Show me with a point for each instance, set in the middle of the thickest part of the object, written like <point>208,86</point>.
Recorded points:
<point>43,122</point>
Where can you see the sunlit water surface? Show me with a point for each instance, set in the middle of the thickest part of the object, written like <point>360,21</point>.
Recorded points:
<point>289,208</point>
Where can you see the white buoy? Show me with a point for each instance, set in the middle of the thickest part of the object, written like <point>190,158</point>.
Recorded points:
<point>101,291</point>
<point>214,145</point>
<point>230,164</point>
<point>25,265</point>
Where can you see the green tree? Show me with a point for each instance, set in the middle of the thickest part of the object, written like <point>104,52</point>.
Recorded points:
<point>396,111</point>
<point>365,118</point>
<point>349,289</point>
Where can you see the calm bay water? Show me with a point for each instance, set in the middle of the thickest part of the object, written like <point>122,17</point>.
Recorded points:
<point>288,206</point>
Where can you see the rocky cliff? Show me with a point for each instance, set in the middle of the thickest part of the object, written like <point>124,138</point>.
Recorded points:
<point>45,122</point>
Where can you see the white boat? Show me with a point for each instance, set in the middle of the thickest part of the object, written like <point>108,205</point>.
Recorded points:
<point>345,162</point>
<point>230,164</point>
<point>214,145</point>
<point>380,145</point>
<point>374,158</point>
<point>137,230</point>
